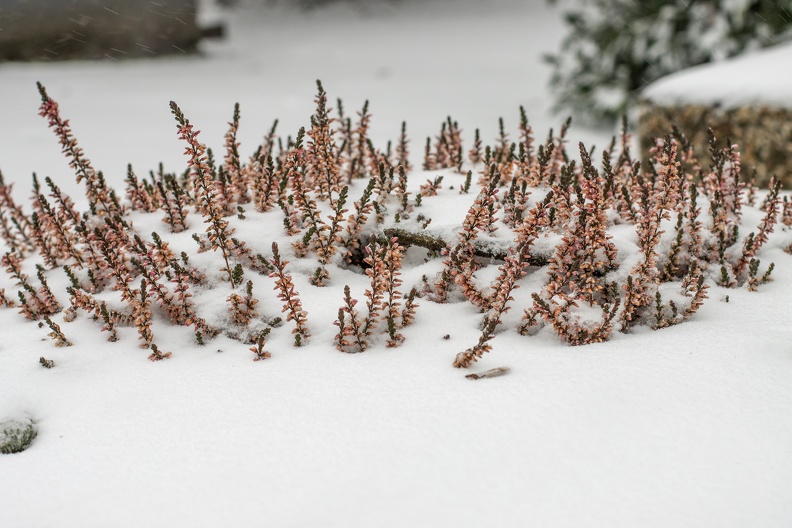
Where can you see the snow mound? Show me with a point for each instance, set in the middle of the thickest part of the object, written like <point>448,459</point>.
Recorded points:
<point>757,78</point>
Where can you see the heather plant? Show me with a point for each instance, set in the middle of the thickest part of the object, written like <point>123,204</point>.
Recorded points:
<point>329,205</point>
<point>56,334</point>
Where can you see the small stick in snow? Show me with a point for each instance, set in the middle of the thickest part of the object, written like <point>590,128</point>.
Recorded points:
<point>492,373</point>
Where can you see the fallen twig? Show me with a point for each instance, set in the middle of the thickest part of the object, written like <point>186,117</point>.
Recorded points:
<point>492,373</point>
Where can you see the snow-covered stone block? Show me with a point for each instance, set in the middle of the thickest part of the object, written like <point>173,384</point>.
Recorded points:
<point>746,99</point>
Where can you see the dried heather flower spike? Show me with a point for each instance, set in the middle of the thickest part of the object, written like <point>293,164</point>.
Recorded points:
<point>174,203</point>
<point>11,236</point>
<point>459,263</point>
<point>78,299</point>
<point>42,237</point>
<point>324,236</point>
<point>115,262</point>
<point>258,348</point>
<point>12,213</point>
<point>655,206</point>
<point>33,305</point>
<point>49,303</point>
<point>672,266</point>
<point>267,146</point>
<point>291,218</point>
<point>410,306</point>
<point>5,301</point>
<point>330,245</point>
<point>754,281</point>
<point>585,253</point>
<point>402,149</point>
<point>232,165</point>
<point>170,308</point>
<point>510,273</point>
<point>723,179</point>
<point>359,145</point>
<point>474,155</point>
<point>376,158</point>
<point>786,212</point>
<point>754,242</point>
<point>402,195</point>
<point>570,327</point>
<point>137,194</point>
<point>99,196</point>
<point>384,184</point>
<point>109,322</point>
<point>448,146</point>
<point>242,253</point>
<point>431,187</point>
<point>291,302</point>
<point>357,220</point>
<point>25,308</point>
<point>392,301</point>
<point>218,231</point>
<point>580,261</point>
<point>182,278</point>
<point>56,333</point>
<point>243,309</point>
<point>340,339</point>
<point>64,222</point>
<point>464,359</point>
<point>698,291</point>
<point>351,337</point>
<point>322,171</point>
<point>141,314</point>
<point>265,183</point>
<point>429,162</point>
<point>377,272</point>
<point>344,129</point>
<point>156,355</point>
<point>526,137</point>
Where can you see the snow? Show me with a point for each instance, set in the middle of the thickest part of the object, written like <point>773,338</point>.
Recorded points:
<point>758,78</point>
<point>686,426</point>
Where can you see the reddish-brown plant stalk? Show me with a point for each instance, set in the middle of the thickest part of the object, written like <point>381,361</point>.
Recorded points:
<point>510,272</point>
<point>322,172</point>
<point>56,333</point>
<point>459,263</point>
<point>258,348</point>
<point>350,337</point>
<point>218,230</point>
<point>243,309</point>
<point>101,198</point>
<point>291,301</point>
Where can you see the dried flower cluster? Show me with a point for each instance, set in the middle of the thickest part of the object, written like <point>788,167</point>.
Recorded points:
<point>534,211</point>
<point>383,306</point>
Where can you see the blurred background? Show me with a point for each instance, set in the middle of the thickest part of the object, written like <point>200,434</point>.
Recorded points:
<point>113,65</point>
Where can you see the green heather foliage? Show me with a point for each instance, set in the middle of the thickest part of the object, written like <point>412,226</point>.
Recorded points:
<point>616,47</point>
<point>330,207</point>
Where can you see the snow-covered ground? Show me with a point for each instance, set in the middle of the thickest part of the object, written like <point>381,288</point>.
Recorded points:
<point>686,426</point>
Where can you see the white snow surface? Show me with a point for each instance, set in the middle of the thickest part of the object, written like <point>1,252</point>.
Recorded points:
<point>759,78</point>
<point>686,426</point>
